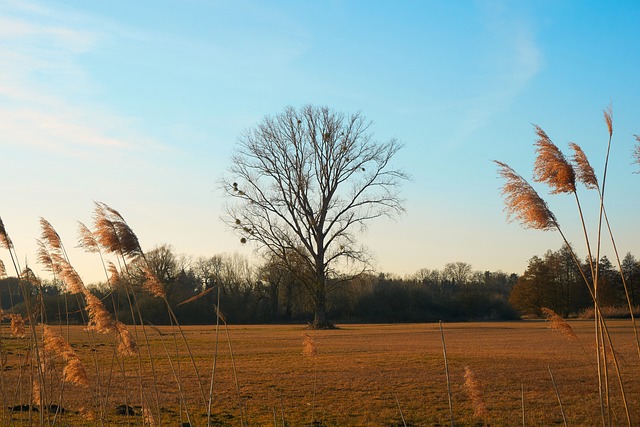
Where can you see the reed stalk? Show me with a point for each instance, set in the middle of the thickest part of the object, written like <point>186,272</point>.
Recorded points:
<point>555,388</point>
<point>404,422</point>
<point>523,203</point>
<point>215,360</point>
<point>446,370</point>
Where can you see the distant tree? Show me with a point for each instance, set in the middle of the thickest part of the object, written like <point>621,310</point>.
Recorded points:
<point>609,284</point>
<point>631,270</point>
<point>553,281</point>
<point>281,280</point>
<point>529,293</point>
<point>458,272</point>
<point>304,182</point>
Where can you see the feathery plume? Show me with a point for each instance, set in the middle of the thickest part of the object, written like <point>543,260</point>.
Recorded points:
<point>472,385</point>
<point>73,370</point>
<point>106,235</point>
<point>87,414</point>
<point>36,396</point>
<point>636,151</point>
<point>130,245</point>
<point>147,416</point>
<point>43,256</point>
<point>113,212</point>
<point>152,284</point>
<point>523,203</point>
<point>29,276</point>
<point>18,328</point>
<point>100,319</point>
<point>584,171</point>
<point>557,323</point>
<point>70,277</point>
<point>552,167</point>
<point>127,344</point>
<point>113,233</point>
<point>49,234</point>
<point>608,120</point>
<point>5,241</point>
<point>3,271</point>
<point>114,275</point>
<point>309,348</point>
<point>87,240</point>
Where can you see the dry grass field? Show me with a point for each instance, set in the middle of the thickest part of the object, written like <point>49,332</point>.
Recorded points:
<point>360,375</point>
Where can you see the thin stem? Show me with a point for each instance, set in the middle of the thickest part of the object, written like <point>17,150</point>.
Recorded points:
<point>522,401</point>
<point>215,359</point>
<point>446,370</point>
<point>624,282</point>
<point>555,388</point>
<point>404,423</point>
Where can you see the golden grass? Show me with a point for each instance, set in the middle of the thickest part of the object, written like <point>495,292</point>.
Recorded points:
<point>360,371</point>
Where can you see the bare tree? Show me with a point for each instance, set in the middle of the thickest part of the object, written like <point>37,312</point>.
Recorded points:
<point>458,272</point>
<point>303,183</point>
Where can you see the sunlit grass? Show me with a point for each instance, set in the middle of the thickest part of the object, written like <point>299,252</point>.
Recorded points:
<point>360,371</point>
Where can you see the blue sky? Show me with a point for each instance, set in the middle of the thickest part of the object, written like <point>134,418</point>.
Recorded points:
<point>139,105</point>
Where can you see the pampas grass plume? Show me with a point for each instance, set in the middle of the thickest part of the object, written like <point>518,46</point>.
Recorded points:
<point>557,323</point>
<point>636,151</point>
<point>100,319</point>
<point>608,120</point>
<point>551,166</point>
<point>472,386</point>
<point>523,203</point>
<point>152,284</point>
<point>73,370</point>
<point>148,417</point>
<point>309,348</point>
<point>36,395</point>
<point>114,275</point>
<point>584,170</point>
<point>49,234</point>
<point>127,345</point>
<point>29,276</point>
<point>18,328</point>
<point>5,241</point>
<point>70,277</point>
<point>87,240</point>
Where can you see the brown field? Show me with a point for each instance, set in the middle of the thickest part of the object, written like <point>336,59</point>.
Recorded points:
<point>362,375</point>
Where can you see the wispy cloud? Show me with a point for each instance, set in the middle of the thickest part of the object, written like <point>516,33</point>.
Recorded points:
<point>513,59</point>
<point>47,99</point>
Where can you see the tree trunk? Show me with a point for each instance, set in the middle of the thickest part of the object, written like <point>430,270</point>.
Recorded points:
<point>288,299</point>
<point>320,316</point>
<point>273,299</point>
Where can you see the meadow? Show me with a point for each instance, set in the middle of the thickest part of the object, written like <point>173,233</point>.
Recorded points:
<point>357,375</point>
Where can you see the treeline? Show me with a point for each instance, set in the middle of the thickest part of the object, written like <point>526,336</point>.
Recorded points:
<point>270,293</point>
<point>555,281</point>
